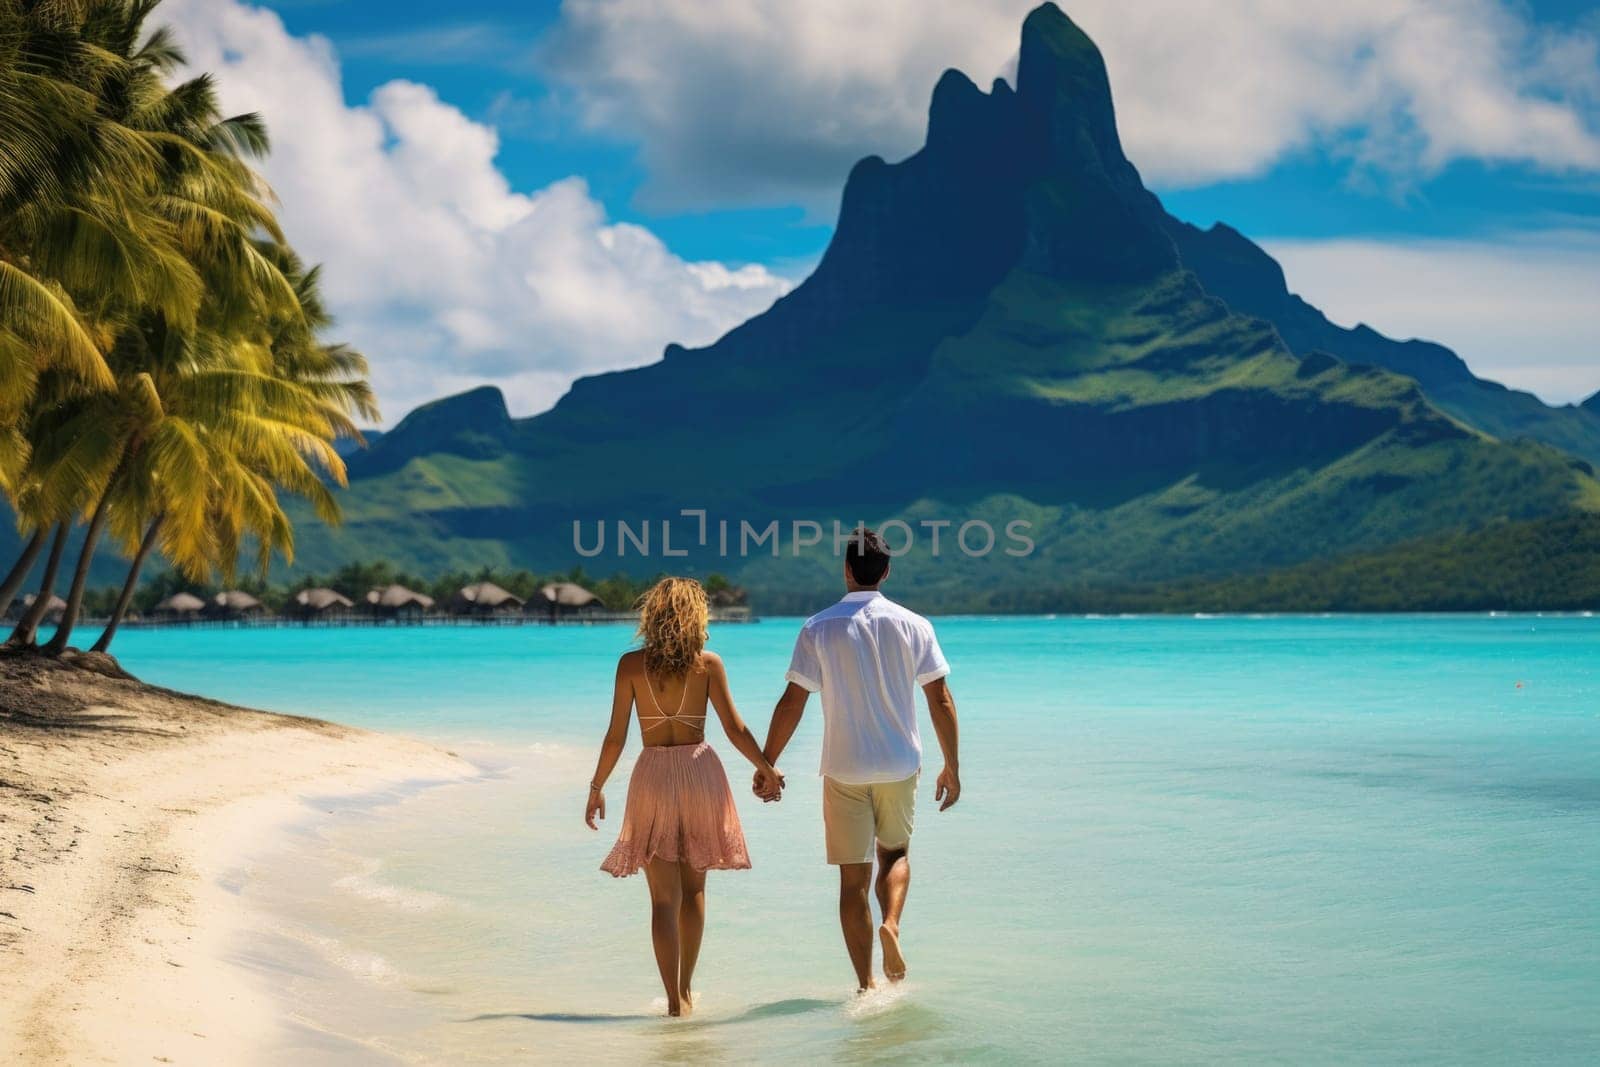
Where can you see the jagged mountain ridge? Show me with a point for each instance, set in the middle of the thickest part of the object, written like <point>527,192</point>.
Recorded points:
<point>1006,322</point>
<point>1241,273</point>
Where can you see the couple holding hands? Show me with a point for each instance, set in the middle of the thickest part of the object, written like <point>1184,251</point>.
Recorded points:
<point>867,656</point>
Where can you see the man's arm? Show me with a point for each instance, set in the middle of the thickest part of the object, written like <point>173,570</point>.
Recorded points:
<point>785,719</point>
<point>942,709</point>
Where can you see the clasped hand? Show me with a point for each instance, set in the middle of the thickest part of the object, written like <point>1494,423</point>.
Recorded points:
<point>768,785</point>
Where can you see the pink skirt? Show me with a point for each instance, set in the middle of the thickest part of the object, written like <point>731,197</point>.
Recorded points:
<point>680,809</point>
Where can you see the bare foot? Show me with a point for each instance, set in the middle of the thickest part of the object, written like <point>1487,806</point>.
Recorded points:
<point>894,964</point>
<point>674,1009</point>
<point>685,1003</point>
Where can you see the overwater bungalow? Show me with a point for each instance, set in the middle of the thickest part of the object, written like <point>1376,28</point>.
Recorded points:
<point>321,603</point>
<point>395,600</point>
<point>484,598</point>
<point>561,599</point>
<point>235,604</point>
<point>179,607</point>
<point>730,604</point>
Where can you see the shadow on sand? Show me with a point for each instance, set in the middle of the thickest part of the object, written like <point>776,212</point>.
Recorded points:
<point>777,1008</point>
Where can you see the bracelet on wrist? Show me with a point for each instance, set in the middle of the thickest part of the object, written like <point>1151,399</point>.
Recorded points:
<point>594,788</point>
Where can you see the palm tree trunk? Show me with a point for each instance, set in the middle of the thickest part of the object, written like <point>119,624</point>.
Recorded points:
<point>19,573</point>
<point>80,576</point>
<point>23,635</point>
<point>130,585</point>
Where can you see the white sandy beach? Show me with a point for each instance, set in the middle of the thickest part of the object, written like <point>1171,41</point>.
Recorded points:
<point>121,805</point>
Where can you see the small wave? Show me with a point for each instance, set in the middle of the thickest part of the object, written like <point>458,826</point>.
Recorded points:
<point>365,965</point>
<point>368,887</point>
<point>658,1006</point>
<point>876,1001</point>
<point>552,750</point>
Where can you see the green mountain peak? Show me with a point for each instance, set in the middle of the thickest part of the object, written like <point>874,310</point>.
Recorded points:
<point>1006,326</point>
<point>473,424</point>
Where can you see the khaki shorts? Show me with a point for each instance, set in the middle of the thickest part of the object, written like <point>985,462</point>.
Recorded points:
<point>855,817</point>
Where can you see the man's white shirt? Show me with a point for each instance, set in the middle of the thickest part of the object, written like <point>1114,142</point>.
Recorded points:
<point>868,656</point>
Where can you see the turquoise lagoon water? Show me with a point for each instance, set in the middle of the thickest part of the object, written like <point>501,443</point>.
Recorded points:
<point>1181,840</point>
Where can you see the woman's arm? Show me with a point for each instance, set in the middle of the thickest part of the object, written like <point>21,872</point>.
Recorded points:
<point>734,726</point>
<point>611,748</point>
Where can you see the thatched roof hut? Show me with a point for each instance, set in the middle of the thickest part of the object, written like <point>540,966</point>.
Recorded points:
<point>729,603</point>
<point>321,602</point>
<point>564,598</point>
<point>484,598</point>
<point>179,606</point>
<point>395,599</point>
<point>52,609</point>
<point>234,604</point>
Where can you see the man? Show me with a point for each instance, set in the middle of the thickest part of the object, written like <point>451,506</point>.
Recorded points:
<point>867,655</point>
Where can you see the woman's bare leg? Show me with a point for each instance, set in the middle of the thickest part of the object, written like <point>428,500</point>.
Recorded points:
<point>691,926</point>
<point>666,900</point>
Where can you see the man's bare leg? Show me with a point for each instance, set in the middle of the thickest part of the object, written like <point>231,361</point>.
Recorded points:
<point>894,878</point>
<point>855,918</point>
<point>691,926</point>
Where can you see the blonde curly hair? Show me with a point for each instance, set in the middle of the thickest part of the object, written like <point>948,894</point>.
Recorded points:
<point>672,623</point>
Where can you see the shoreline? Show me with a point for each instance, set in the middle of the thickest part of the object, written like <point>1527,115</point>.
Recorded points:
<point>432,622</point>
<point>122,805</point>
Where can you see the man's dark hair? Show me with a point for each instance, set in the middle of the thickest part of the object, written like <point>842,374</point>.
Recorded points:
<point>867,557</point>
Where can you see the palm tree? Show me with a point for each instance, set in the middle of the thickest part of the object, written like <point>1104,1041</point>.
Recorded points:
<point>130,584</point>
<point>209,389</point>
<point>211,204</point>
<point>79,233</point>
<point>51,151</point>
<point>266,426</point>
<point>80,239</point>
<point>19,572</point>
<point>28,628</point>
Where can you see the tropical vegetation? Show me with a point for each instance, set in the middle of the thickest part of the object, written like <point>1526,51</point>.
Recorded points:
<point>1547,564</point>
<point>163,372</point>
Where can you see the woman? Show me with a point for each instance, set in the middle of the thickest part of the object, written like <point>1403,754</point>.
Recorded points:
<point>680,820</point>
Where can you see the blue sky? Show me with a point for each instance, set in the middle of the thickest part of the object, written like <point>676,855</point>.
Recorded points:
<point>1422,141</point>
<point>485,57</point>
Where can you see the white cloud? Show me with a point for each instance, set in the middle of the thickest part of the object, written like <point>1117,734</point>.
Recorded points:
<point>442,273</point>
<point>447,277</point>
<point>773,100</point>
<point>1519,311</point>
